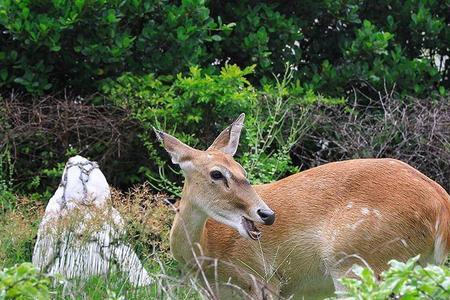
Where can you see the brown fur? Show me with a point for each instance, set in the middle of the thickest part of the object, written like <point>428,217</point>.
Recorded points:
<point>320,221</point>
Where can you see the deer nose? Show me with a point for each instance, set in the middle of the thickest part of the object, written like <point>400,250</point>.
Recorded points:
<point>266,215</point>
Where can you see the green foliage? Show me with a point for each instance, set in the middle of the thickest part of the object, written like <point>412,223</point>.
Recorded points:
<point>196,100</point>
<point>277,121</point>
<point>339,45</point>
<point>198,106</point>
<point>50,45</point>
<point>263,35</point>
<point>194,107</point>
<point>44,180</point>
<point>401,281</point>
<point>6,170</point>
<point>336,45</point>
<point>23,282</point>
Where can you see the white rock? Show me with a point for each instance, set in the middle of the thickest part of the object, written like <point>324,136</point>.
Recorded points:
<point>80,234</point>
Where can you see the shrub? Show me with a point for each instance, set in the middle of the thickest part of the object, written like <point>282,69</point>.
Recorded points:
<point>51,45</point>
<point>18,228</point>
<point>413,130</point>
<point>23,282</point>
<point>198,100</point>
<point>40,137</point>
<point>194,108</point>
<point>197,107</point>
<point>278,120</point>
<point>336,45</point>
<point>401,281</point>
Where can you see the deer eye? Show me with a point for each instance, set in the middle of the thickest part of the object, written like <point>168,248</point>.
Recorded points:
<point>216,175</point>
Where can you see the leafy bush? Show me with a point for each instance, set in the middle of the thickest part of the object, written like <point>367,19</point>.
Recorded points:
<point>401,281</point>
<point>278,120</point>
<point>370,45</point>
<point>194,108</point>
<point>198,106</point>
<point>375,61</point>
<point>263,35</point>
<point>23,282</point>
<point>336,45</point>
<point>51,45</point>
<point>198,100</point>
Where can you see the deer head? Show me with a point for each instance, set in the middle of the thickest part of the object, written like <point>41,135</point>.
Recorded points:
<point>216,184</point>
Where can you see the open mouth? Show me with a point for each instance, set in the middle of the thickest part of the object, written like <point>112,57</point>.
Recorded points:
<point>251,229</point>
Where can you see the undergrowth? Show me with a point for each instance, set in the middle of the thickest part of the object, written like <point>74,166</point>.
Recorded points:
<point>148,219</point>
<point>148,222</point>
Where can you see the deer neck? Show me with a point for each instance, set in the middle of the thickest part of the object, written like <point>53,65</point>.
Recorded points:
<point>188,232</point>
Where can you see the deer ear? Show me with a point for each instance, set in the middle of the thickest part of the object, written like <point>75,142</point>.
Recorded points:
<point>179,152</point>
<point>228,139</point>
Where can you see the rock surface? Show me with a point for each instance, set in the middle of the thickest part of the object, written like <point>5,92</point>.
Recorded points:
<point>81,235</point>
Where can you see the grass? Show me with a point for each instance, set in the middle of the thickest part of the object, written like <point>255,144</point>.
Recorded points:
<point>148,222</point>
<point>166,286</point>
<point>18,228</point>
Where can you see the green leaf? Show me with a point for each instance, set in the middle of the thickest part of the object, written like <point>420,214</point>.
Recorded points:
<point>111,16</point>
<point>3,74</point>
<point>55,48</point>
<point>79,4</point>
<point>216,38</point>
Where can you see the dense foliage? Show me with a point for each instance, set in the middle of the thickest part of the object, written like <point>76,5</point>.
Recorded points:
<point>401,281</point>
<point>197,106</point>
<point>23,282</point>
<point>335,45</point>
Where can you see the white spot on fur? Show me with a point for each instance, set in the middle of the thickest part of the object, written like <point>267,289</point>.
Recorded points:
<point>436,226</point>
<point>404,243</point>
<point>356,224</point>
<point>440,253</point>
<point>377,213</point>
<point>350,204</point>
<point>365,211</point>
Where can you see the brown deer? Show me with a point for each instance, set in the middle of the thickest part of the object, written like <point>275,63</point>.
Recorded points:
<point>365,211</point>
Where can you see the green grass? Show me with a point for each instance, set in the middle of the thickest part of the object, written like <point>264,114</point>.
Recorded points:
<point>18,229</point>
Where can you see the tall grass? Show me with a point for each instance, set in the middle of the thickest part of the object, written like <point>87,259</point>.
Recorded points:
<point>148,222</point>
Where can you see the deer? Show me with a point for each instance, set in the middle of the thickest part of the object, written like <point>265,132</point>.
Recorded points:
<point>298,236</point>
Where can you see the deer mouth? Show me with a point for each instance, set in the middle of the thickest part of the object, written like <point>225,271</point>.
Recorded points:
<point>251,229</point>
